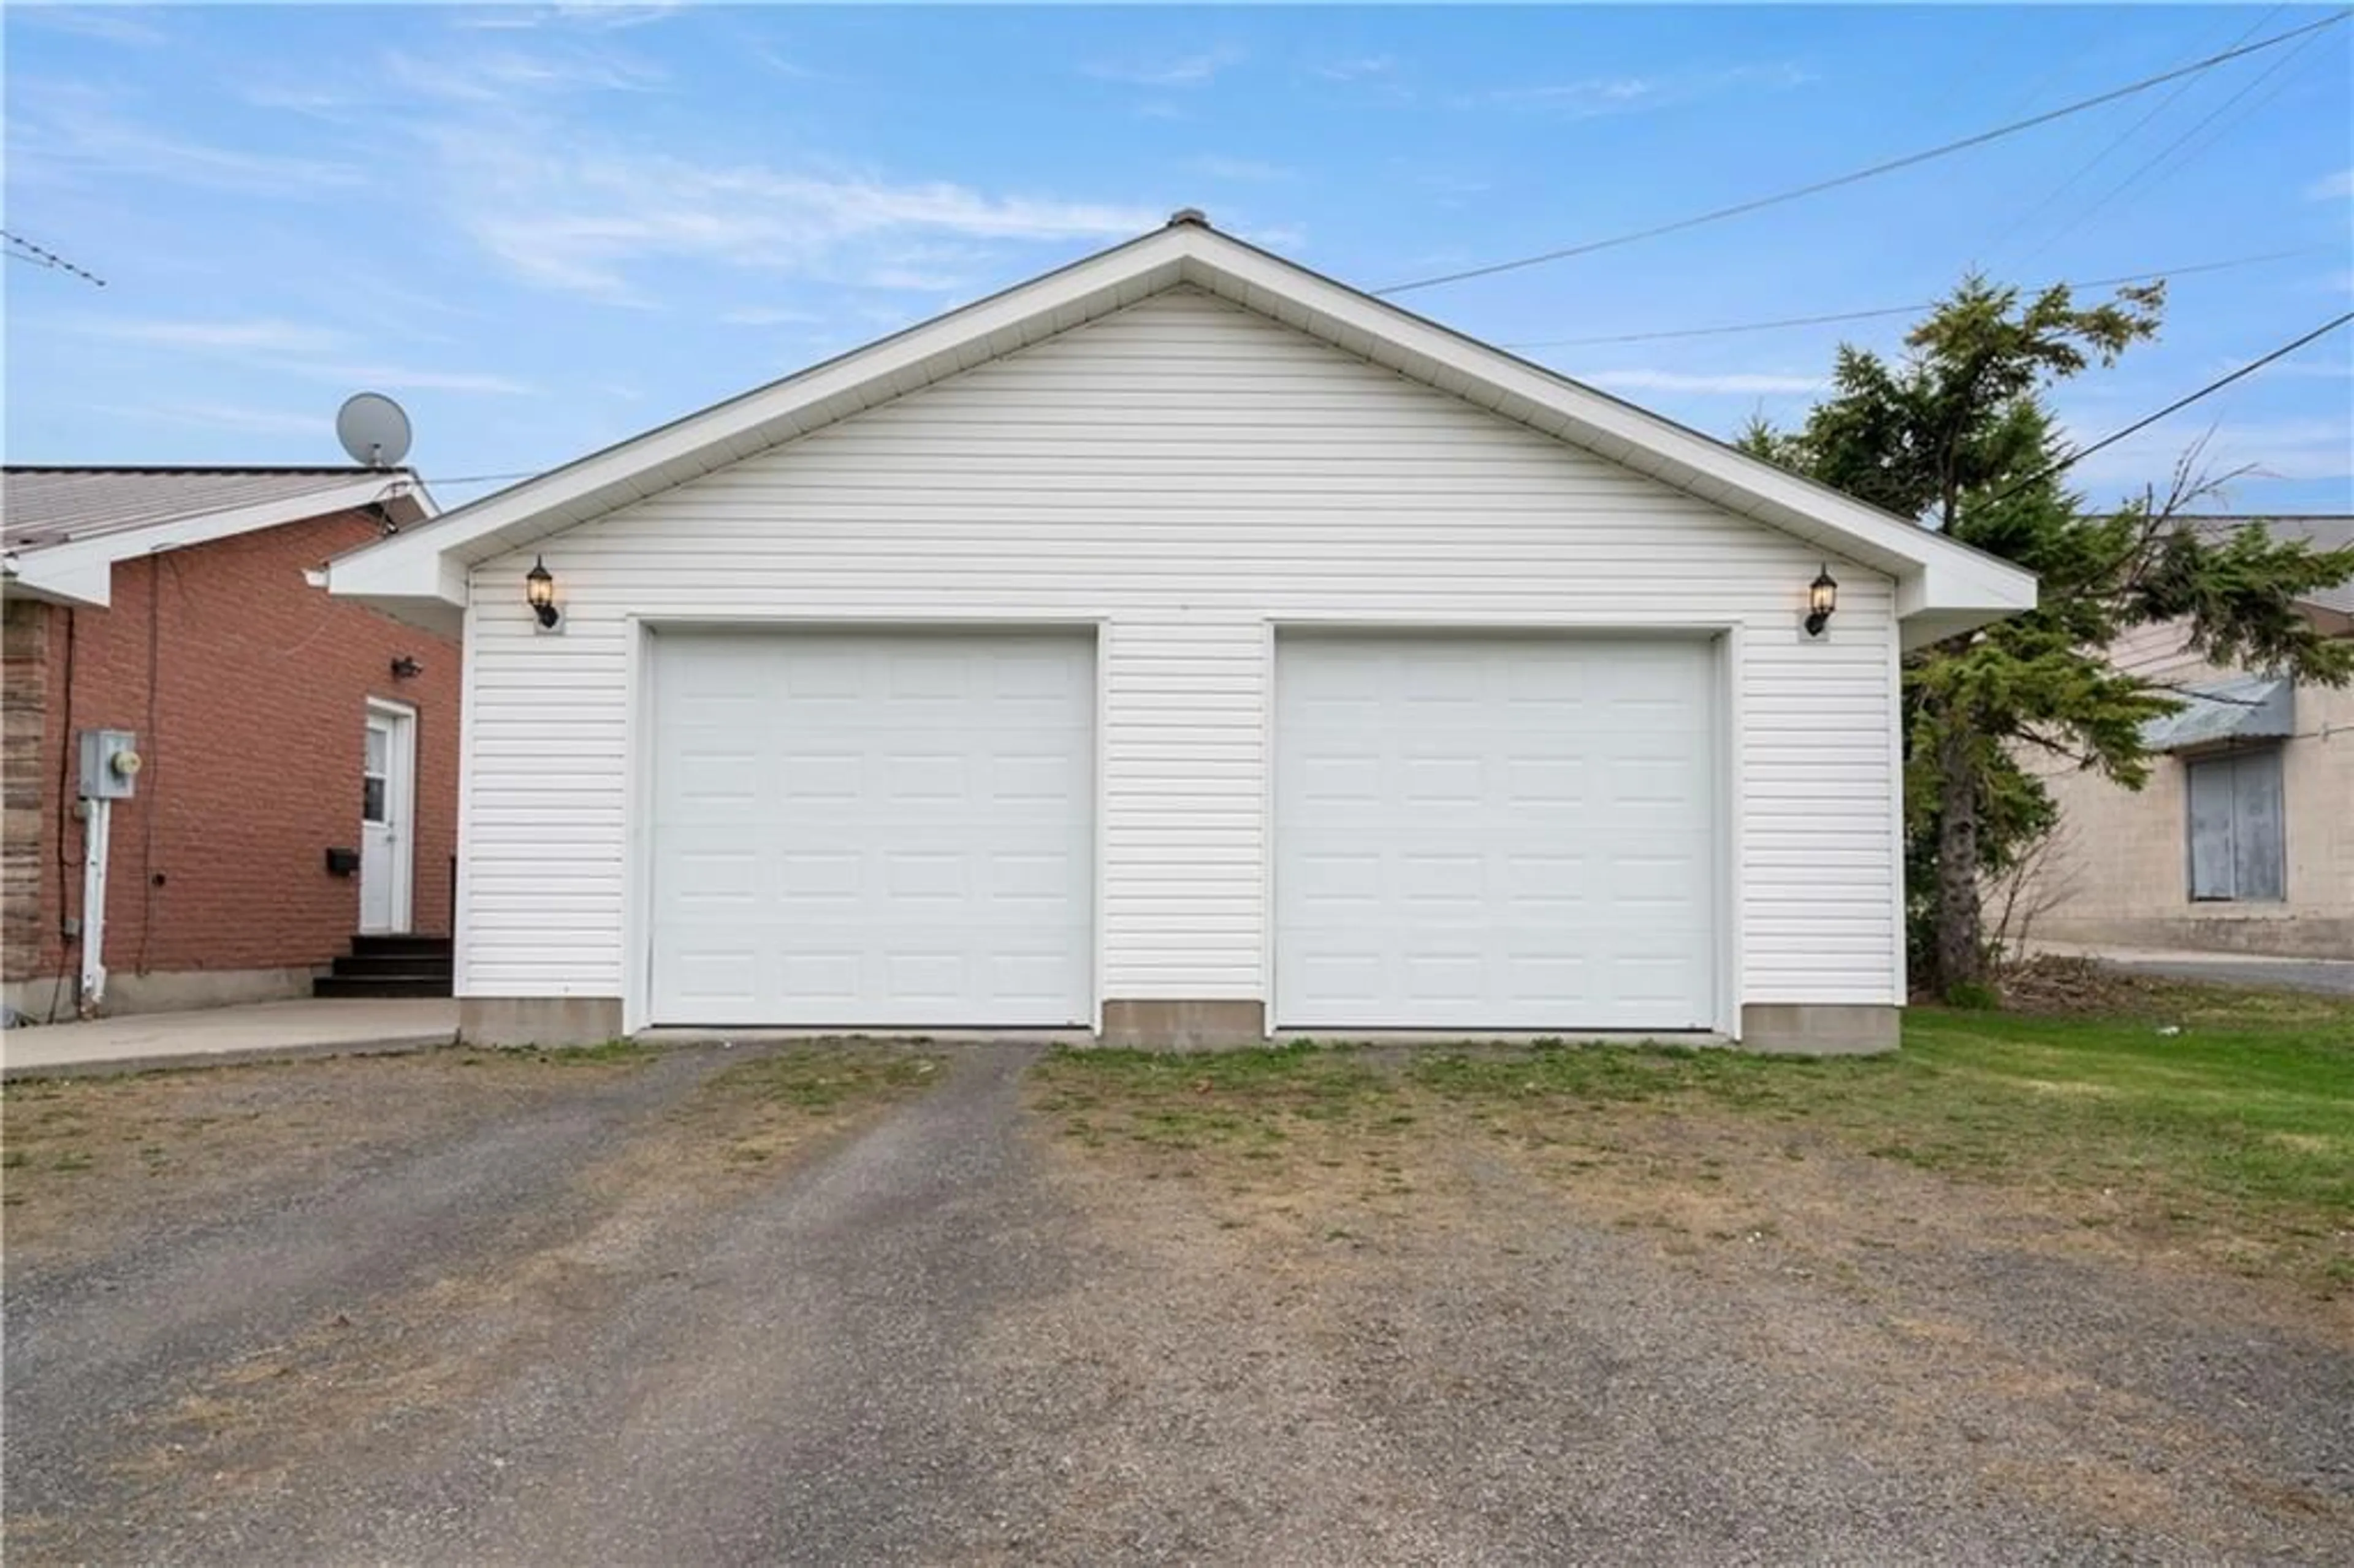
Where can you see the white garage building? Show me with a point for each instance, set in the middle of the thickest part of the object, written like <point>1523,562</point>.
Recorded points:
<point>1186,648</point>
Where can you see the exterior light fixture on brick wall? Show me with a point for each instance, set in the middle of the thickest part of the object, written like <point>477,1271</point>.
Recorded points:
<point>405,668</point>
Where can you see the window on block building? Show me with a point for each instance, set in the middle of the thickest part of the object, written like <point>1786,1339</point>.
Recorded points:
<point>2237,844</point>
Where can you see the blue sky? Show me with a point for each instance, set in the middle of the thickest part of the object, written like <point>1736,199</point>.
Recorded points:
<point>546,227</point>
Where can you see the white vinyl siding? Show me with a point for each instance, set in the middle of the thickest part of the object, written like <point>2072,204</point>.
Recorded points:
<point>1191,475</point>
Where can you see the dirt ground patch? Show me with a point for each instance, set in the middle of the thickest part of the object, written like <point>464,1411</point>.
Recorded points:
<point>2051,985</point>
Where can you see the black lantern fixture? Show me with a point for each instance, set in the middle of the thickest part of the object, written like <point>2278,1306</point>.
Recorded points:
<point>1822,598</point>
<point>405,668</point>
<point>539,592</point>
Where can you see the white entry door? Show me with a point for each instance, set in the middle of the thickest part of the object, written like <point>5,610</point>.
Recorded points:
<point>1495,832</point>
<point>387,797</point>
<point>873,828</point>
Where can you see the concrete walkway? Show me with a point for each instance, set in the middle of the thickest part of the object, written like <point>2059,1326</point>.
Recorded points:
<point>2327,977</point>
<point>267,1031</point>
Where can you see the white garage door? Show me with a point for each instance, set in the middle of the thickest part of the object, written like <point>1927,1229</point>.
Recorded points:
<point>873,828</point>
<point>1495,832</point>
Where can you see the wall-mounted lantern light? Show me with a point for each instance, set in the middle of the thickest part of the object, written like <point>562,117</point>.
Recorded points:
<point>405,668</point>
<point>539,592</point>
<point>1822,598</point>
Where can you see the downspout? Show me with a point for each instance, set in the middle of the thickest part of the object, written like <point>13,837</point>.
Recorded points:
<point>95,832</point>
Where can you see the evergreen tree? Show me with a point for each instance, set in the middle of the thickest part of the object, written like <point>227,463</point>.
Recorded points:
<point>1956,435</point>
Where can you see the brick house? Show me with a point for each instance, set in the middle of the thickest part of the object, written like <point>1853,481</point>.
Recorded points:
<point>2242,841</point>
<point>298,755</point>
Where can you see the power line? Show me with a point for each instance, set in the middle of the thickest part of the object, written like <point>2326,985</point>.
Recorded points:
<point>2130,132</point>
<point>2081,453</point>
<point>2086,215</point>
<point>1855,177</point>
<point>479,478</point>
<point>29,252</point>
<point>1900,310</point>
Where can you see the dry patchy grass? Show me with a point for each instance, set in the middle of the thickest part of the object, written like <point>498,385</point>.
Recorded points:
<point>2222,1127</point>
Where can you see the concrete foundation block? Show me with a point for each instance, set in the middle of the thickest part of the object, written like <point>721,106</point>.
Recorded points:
<point>546,1020</point>
<point>1184,1025</point>
<point>48,1000</point>
<point>1821,1028</point>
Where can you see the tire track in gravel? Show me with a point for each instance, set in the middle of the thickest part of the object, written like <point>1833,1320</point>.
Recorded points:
<point>93,1347</point>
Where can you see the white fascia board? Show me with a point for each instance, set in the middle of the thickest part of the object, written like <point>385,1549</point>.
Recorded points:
<point>81,571</point>
<point>89,582</point>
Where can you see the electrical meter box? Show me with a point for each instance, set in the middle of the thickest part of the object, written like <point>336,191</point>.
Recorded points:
<point>109,764</point>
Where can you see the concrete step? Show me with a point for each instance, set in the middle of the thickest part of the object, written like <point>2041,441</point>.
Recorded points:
<point>394,966</point>
<point>385,944</point>
<point>380,985</point>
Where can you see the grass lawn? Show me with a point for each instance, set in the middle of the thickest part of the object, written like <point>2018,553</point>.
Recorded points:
<point>2218,1121</point>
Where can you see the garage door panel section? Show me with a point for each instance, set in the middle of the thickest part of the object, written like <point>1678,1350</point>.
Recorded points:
<point>1496,832</point>
<point>874,829</point>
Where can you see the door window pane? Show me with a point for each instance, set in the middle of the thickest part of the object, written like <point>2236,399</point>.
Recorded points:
<point>375,765</point>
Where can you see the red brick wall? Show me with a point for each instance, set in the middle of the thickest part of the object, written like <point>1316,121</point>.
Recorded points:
<point>23,699</point>
<point>246,689</point>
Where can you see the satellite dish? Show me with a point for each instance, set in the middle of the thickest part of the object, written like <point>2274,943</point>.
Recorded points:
<point>373,430</point>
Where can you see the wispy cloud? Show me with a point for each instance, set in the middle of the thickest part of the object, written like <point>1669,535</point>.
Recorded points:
<point>771,316</point>
<point>314,352</point>
<point>1355,69</point>
<point>2290,449</point>
<point>500,78</point>
<point>1241,170</point>
<point>1182,70</point>
<point>110,24</point>
<point>303,98</point>
<point>580,218</point>
<point>406,379</point>
<point>1592,97</point>
<point>64,132</point>
<point>1730,384</point>
<point>2315,364</point>
<point>232,417</point>
<point>596,18</point>
<point>1288,237</point>
<point>784,66</point>
<point>2335,187</point>
<point>1451,186</point>
<point>263,336</point>
<point>915,281</point>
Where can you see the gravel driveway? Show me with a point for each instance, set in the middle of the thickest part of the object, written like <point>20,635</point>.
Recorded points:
<point>939,1333</point>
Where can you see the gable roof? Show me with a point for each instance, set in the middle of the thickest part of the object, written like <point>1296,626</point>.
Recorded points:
<point>1944,586</point>
<point>62,529</point>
